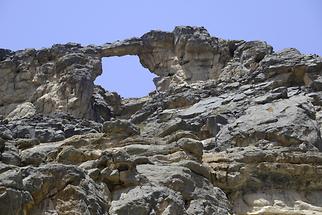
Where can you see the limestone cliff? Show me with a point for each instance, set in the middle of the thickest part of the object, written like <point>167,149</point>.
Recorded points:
<point>232,128</point>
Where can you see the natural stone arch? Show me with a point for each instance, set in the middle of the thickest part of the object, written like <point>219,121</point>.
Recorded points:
<point>61,78</point>
<point>187,54</point>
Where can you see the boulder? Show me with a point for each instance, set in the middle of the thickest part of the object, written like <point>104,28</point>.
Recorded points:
<point>120,128</point>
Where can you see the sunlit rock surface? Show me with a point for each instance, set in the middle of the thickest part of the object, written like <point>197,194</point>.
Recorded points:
<point>232,128</point>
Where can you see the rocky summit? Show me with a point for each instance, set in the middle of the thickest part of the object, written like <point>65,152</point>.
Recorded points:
<point>232,128</point>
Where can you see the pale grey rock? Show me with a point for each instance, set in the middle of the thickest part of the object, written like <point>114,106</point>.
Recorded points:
<point>171,127</point>
<point>34,158</point>
<point>202,107</point>
<point>23,110</point>
<point>287,122</point>
<point>252,52</point>
<point>131,106</point>
<point>187,54</point>
<point>71,155</point>
<point>232,128</point>
<point>37,191</point>
<point>263,179</point>
<point>120,128</point>
<point>61,78</point>
<point>56,79</point>
<point>190,186</point>
<point>289,67</point>
<point>192,146</point>
<point>148,199</point>
<point>196,167</point>
<point>48,128</point>
<point>26,143</point>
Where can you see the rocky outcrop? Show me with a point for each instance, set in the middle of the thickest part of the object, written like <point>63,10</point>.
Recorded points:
<point>185,55</point>
<point>233,128</point>
<point>61,78</point>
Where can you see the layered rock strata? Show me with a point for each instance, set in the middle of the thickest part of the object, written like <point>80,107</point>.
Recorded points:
<point>232,128</point>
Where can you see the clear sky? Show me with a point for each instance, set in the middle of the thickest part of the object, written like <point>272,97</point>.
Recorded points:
<point>41,23</point>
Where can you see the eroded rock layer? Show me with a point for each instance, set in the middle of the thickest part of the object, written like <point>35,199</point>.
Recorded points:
<point>233,128</point>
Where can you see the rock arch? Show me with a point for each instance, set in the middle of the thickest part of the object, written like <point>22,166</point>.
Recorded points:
<point>61,78</point>
<point>185,55</point>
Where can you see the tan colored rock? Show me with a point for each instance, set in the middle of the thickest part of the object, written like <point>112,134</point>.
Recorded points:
<point>270,181</point>
<point>71,155</point>
<point>23,110</point>
<point>49,79</point>
<point>192,146</point>
<point>60,78</point>
<point>233,128</point>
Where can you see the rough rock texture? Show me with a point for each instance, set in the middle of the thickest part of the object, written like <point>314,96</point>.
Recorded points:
<point>233,128</point>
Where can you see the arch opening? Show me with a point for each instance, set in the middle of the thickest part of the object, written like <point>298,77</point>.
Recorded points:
<point>126,76</point>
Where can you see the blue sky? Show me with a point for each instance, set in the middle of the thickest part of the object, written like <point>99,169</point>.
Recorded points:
<point>41,23</point>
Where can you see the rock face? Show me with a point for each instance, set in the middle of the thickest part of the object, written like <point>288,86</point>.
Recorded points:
<point>233,128</point>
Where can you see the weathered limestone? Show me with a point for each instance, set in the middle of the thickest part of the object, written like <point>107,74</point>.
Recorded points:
<point>187,54</point>
<point>60,78</point>
<point>233,128</point>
